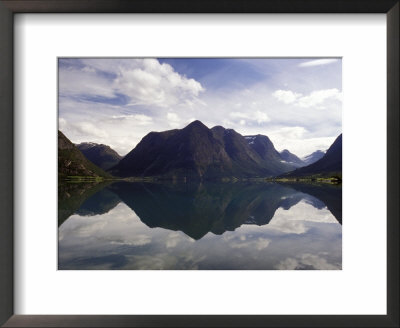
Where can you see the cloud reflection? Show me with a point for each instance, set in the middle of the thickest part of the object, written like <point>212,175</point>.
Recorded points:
<point>300,238</point>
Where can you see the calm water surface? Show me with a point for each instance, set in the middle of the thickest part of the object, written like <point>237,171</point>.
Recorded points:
<point>244,226</point>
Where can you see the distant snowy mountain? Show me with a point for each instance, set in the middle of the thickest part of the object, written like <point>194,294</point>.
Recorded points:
<point>312,158</point>
<point>329,164</point>
<point>290,158</point>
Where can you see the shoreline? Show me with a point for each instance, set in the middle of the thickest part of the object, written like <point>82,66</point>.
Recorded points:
<point>90,179</point>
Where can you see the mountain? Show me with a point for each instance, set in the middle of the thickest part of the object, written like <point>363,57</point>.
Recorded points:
<point>288,157</point>
<point>101,155</point>
<point>312,158</point>
<point>329,164</point>
<point>71,162</point>
<point>264,147</point>
<point>197,152</point>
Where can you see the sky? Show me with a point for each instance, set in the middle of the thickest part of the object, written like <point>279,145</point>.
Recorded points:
<point>296,102</point>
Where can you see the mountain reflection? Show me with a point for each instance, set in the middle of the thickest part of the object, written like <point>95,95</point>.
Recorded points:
<point>197,208</point>
<point>330,195</point>
<point>75,197</point>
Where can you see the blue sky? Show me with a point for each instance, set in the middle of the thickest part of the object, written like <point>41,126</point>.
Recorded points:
<point>296,102</point>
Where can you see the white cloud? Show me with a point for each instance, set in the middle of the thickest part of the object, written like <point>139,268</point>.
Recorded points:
<point>296,220</point>
<point>173,119</point>
<point>314,99</point>
<point>86,230</point>
<point>139,119</point>
<point>290,132</point>
<point>137,240</point>
<point>88,69</point>
<point>147,82</point>
<point>258,244</point>
<point>87,128</point>
<point>318,62</point>
<point>257,116</point>
<point>62,124</point>
<point>83,82</point>
<point>173,239</point>
<point>261,117</point>
<point>286,96</point>
<point>308,261</point>
<point>144,81</point>
<point>239,115</point>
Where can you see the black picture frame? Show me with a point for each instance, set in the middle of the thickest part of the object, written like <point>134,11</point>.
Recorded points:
<point>10,7</point>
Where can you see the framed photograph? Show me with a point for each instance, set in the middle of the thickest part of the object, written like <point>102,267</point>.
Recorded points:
<point>168,164</point>
<point>171,171</point>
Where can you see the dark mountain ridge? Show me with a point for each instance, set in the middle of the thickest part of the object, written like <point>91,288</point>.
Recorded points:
<point>101,155</point>
<point>197,152</point>
<point>71,162</point>
<point>313,157</point>
<point>291,158</point>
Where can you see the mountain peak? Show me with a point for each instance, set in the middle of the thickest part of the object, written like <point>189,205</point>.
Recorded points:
<point>312,158</point>
<point>196,123</point>
<point>218,128</point>
<point>263,146</point>
<point>86,145</point>
<point>289,157</point>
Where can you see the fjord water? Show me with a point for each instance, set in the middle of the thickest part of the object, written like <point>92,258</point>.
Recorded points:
<point>211,226</point>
